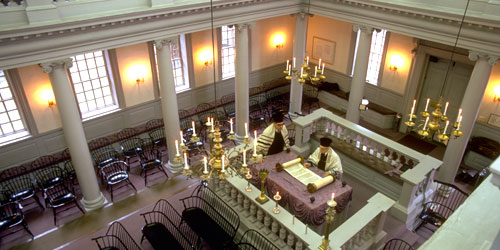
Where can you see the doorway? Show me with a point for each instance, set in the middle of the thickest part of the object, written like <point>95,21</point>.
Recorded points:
<point>454,88</point>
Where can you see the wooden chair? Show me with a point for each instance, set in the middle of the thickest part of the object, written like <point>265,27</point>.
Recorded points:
<point>11,215</point>
<point>164,230</point>
<point>60,196</point>
<point>310,96</point>
<point>150,160</point>
<point>397,244</point>
<point>115,174</point>
<point>117,237</point>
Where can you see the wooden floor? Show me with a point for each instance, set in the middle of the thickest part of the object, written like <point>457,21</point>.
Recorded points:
<point>75,231</point>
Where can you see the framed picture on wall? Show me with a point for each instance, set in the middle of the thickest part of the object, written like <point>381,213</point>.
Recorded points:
<point>324,49</point>
<point>494,120</point>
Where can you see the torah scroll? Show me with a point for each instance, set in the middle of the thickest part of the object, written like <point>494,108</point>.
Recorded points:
<point>299,172</point>
<point>314,186</point>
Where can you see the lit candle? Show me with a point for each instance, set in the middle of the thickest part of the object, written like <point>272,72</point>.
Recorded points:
<point>287,66</point>
<point>446,127</point>
<point>307,60</point>
<point>208,120</point>
<point>301,71</point>
<point>223,162</point>
<point>231,122</point>
<point>323,69</point>
<point>319,63</point>
<point>194,130</point>
<point>246,130</point>
<point>290,72</point>
<point>244,157</point>
<point>412,109</point>
<point>287,62</point>
<point>294,62</point>
<point>315,70</point>
<point>186,166</point>
<point>255,147</point>
<point>445,108</point>
<point>333,196</point>
<point>427,104</point>
<point>426,120</point>
<point>459,114</point>
<point>212,123</point>
<point>176,147</point>
<point>182,138</point>
<point>459,121</point>
<point>277,193</point>
<point>205,169</point>
<point>255,134</point>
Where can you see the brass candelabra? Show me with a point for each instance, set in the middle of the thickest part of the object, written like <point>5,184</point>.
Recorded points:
<point>305,73</point>
<point>329,217</point>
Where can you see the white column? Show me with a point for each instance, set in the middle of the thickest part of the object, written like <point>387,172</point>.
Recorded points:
<point>299,52</point>
<point>168,100</point>
<point>359,76</point>
<point>74,134</point>
<point>471,103</point>
<point>241,78</point>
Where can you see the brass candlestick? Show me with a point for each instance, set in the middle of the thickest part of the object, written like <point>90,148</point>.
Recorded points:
<point>263,174</point>
<point>329,217</point>
<point>277,198</point>
<point>248,176</point>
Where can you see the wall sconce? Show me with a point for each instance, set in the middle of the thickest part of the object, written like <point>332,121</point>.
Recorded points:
<point>51,103</point>
<point>139,79</point>
<point>396,62</point>
<point>205,57</point>
<point>496,97</point>
<point>278,41</point>
<point>364,104</point>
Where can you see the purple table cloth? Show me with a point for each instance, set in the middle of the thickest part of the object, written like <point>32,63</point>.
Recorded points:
<point>294,193</point>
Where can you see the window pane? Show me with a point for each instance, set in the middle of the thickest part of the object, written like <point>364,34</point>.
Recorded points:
<point>7,128</point>
<point>91,83</point>
<point>177,65</point>
<point>227,51</point>
<point>14,115</point>
<point>375,59</point>
<point>10,105</point>
<point>93,74</point>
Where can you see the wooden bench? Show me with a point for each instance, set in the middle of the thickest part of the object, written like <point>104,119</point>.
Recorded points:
<point>164,230</point>
<point>210,218</point>
<point>252,239</point>
<point>377,115</point>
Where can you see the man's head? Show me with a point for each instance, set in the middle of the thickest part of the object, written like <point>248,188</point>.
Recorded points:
<point>278,121</point>
<point>324,144</point>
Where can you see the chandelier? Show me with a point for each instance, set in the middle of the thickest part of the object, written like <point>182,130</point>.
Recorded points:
<point>217,160</point>
<point>436,122</point>
<point>305,73</point>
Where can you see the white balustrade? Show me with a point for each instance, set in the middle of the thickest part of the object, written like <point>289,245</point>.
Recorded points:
<point>363,151</point>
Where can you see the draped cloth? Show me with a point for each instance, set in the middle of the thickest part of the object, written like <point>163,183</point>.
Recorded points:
<point>295,195</point>
<point>266,139</point>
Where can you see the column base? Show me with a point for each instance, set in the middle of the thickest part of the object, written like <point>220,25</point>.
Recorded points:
<point>174,167</point>
<point>241,139</point>
<point>94,204</point>
<point>294,115</point>
<point>303,151</point>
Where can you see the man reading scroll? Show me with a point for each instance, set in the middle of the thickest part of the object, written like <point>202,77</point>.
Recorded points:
<point>325,159</point>
<point>274,139</point>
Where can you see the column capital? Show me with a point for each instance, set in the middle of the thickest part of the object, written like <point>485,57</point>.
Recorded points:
<point>362,28</point>
<point>160,43</point>
<point>476,55</point>
<point>302,15</point>
<point>243,26</point>
<point>47,67</point>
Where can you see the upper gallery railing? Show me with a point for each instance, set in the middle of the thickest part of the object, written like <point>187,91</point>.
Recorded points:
<point>411,169</point>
